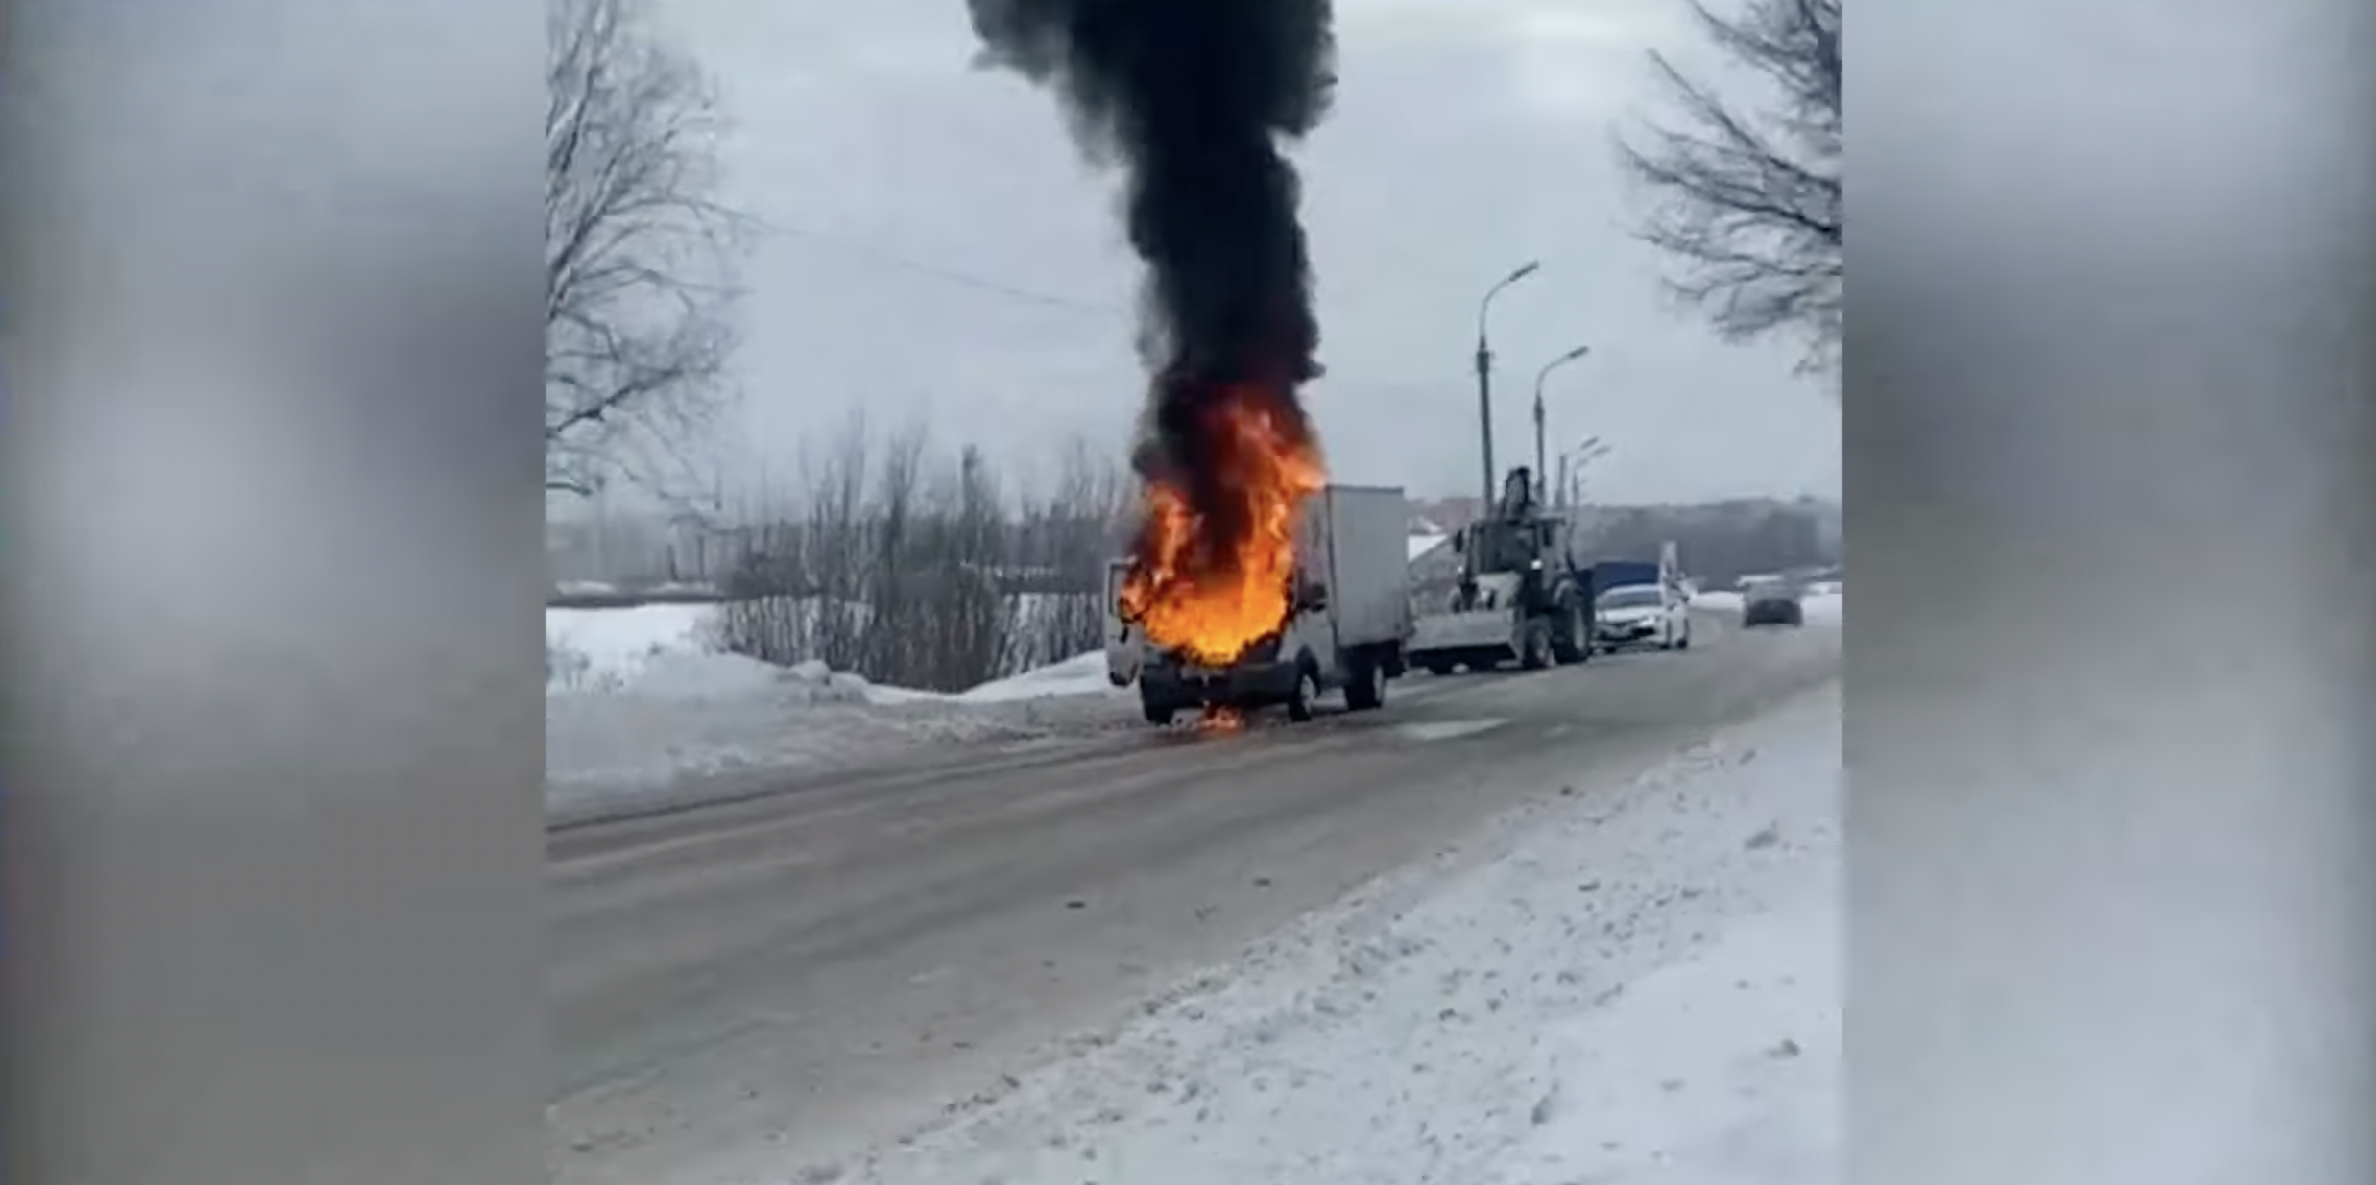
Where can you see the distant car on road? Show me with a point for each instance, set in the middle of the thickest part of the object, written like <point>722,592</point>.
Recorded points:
<point>1772,604</point>
<point>1641,615</point>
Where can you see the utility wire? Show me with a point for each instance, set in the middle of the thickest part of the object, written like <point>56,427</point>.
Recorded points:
<point>900,262</point>
<point>871,253</point>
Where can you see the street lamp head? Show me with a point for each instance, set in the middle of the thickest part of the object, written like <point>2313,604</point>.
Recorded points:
<point>1527,269</point>
<point>1576,353</point>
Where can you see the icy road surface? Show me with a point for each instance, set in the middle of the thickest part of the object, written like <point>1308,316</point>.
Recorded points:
<point>1638,990</point>
<point>779,988</point>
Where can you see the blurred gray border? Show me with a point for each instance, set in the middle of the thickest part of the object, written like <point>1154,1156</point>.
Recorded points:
<point>271,849</point>
<point>2112,515</point>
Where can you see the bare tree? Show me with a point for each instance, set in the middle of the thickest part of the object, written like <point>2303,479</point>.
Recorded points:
<point>637,252</point>
<point>1066,533</point>
<point>920,569</point>
<point>1746,202</point>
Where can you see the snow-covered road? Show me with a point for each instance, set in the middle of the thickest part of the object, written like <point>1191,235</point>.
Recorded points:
<point>1497,933</point>
<point>1638,986</point>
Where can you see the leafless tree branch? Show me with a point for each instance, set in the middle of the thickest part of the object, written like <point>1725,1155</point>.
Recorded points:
<point>924,569</point>
<point>638,253</point>
<point>1746,203</point>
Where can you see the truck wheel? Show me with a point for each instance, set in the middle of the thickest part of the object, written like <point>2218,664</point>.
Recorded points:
<point>1366,691</point>
<point>1159,716</point>
<point>1299,705</point>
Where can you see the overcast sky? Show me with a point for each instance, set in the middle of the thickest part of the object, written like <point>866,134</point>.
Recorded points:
<point>940,250</point>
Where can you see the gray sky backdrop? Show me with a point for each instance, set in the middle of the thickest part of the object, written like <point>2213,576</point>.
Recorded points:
<point>939,249</point>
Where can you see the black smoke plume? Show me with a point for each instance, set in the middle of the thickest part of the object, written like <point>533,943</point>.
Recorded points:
<point>1195,100</point>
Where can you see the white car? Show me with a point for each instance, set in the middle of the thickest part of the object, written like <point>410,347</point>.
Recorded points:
<point>1641,615</point>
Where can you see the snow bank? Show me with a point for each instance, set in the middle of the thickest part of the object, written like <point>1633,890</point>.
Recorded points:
<point>1640,987</point>
<point>670,652</point>
<point>1082,674</point>
<point>587,588</point>
<point>1721,602</point>
<point>617,755</point>
<point>673,651</point>
<point>642,711</point>
<point>608,649</point>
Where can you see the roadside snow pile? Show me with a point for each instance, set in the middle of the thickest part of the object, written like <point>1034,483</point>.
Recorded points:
<point>1721,602</point>
<point>643,710</point>
<point>1637,990</point>
<point>1082,674</point>
<point>711,676</point>
<point>670,652</point>
<point>608,649</point>
<point>622,754</point>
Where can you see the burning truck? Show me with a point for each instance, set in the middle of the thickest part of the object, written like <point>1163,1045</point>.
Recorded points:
<point>1346,623</point>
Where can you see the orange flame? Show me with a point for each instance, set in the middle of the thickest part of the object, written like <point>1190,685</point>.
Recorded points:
<point>1209,581</point>
<point>1222,718</point>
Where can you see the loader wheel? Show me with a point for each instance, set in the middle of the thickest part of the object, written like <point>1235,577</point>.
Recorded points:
<point>1570,644</point>
<point>1537,653</point>
<point>1160,716</point>
<point>1299,705</point>
<point>1367,690</point>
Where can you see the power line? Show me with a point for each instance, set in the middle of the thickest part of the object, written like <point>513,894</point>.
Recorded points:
<point>897,261</point>
<point>906,263</point>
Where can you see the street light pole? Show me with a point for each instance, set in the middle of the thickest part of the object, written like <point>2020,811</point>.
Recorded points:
<point>1571,466</point>
<point>1485,372</point>
<point>1542,465</point>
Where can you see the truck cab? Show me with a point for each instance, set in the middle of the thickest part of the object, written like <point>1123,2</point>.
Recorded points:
<point>1502,562</point>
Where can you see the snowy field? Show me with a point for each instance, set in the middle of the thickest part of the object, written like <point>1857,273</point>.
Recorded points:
<point>641,708</point>
<point>1633,984</point>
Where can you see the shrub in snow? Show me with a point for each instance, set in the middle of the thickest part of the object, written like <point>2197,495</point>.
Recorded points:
<point>569,669</point>
<point>564,666</point>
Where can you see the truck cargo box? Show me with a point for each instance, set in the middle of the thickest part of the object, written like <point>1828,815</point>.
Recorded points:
<point>1356,538</point>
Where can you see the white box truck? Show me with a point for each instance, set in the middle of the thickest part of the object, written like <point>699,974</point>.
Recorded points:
<point>1347,630</point>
